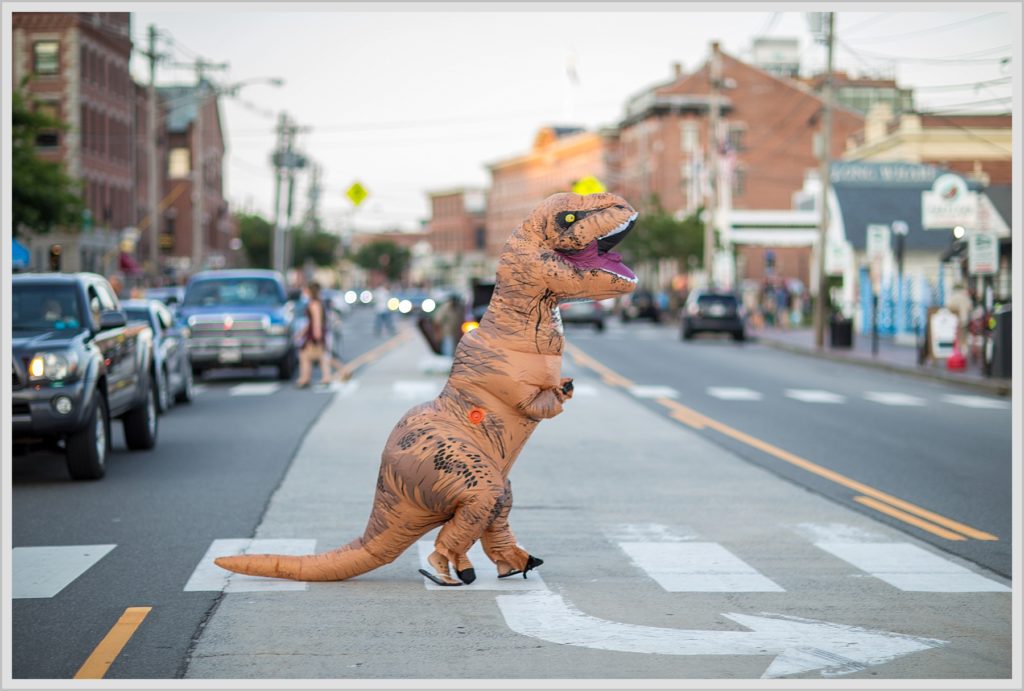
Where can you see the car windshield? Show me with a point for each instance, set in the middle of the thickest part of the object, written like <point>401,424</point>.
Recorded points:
<point>212,292</point>
<point>723,300</point>
<point>137,314</point>
<point>44,307</point>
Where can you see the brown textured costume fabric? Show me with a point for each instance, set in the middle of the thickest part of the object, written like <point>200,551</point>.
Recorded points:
<point>446,463</point>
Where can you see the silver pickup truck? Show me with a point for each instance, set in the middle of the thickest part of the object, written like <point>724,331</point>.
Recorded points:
<point>239,318</point>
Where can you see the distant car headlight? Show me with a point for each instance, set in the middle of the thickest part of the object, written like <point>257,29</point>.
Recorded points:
<point>52,366</point>
<point>366,297</point>
<point>393,304</point>
<point>428,305</point>
<point>469,326</point>
<point>405,306</point>
<point>351,297</point>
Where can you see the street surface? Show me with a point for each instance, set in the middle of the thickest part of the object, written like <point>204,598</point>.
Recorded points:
<point>696,507</point>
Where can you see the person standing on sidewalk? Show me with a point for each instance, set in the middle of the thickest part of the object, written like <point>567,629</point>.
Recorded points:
<point>313,340</point>
<point>382,317</point>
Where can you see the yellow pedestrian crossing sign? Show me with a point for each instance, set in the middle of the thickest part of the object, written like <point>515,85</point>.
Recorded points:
<point>357,193</point>
<point>588,185</point>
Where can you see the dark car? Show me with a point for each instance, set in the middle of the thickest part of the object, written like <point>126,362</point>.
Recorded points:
<point>239,318</point>
<point>170,350</point>
<point>709,311</point>
<point>642,304</point>
<point>583,312</point>
<point>77,364</point>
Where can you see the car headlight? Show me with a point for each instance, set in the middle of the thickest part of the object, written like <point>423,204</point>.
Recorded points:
<point>53,366</point>
<point>277,329</point>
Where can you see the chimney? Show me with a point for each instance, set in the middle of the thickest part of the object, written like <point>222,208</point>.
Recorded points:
<point>677,70</point>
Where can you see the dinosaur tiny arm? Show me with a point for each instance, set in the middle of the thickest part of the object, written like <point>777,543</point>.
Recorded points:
<point>546,403</point>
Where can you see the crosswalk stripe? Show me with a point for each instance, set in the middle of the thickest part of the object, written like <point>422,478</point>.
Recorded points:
<point>697,567</point>
<point>254,389</point>
<point>976,402</point>
<point>911,568</point>
<point>641,391</point>
<point>39,572</point>
<point>417,390</point>
<point>894,398</point>
<point>209,576</point>
<point>486,573</point>
<point>815,396</point>
<point>728,393</point>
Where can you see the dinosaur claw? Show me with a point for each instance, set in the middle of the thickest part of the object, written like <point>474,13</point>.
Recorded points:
<point>532,562</point>
<point>438,578</point>
<point>467,576</point>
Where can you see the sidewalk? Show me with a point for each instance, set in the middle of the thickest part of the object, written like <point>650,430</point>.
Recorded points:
<point>891,356</point>
<point>607,476</point>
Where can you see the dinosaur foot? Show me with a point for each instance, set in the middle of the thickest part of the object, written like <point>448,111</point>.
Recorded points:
<point>440,578</point>
<point>532,562</point>
<point>467,576</point>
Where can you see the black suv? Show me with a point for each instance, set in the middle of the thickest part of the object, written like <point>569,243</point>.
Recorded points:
<point>713,311</point>
<point>77,364</point>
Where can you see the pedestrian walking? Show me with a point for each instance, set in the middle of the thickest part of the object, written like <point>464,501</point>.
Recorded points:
<point>314,340</point>
<point>382,313</point>
<point>449,323</point>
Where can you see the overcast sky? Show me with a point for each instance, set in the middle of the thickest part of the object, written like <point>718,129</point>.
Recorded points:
<point>409,102</point>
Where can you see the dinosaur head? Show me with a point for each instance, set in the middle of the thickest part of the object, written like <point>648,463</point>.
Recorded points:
<point>574,235</point>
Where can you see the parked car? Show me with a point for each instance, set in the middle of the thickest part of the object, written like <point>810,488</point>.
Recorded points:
<point>172,296</point>
<point>170,350</point>
<point>239,318</point>
<point>641,304</point>
<point>583,312</point>
<point>77,364</point>
<point>713,311</point>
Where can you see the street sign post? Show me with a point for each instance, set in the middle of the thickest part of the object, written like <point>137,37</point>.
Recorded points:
<point>356,193</point>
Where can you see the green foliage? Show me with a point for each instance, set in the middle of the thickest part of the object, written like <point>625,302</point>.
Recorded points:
<point>318,246</point>
<point>257,236</point>
<point>658,235</point>
<point>383,255</point>
<point>43,195</point>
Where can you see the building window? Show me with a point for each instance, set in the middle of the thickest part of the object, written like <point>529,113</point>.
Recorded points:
<point>178,164</point>
<point>689,136</point>
<point>736,134</point>
<point>739,182</point>
<point>46,57</point>
<point>48,139</point>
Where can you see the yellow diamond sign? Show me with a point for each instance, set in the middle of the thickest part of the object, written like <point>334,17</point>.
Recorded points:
<point>357,193</point>
<point>588,185</point>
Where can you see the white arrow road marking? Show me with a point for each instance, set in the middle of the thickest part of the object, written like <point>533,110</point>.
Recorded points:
<point>486,573</point>
<point>45,571</point>
<point>728,393</point>
<point>697,567</point>
<point>209,576</point>
<point>254,389</point>
<point>894,398</point>
<point>911,568</point>
<point>801,645</point>
<point>976,402</point>
<point>815,396</point>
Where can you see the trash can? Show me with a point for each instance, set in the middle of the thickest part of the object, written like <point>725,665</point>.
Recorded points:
<point>840,331</point>
<point>1002,344</point>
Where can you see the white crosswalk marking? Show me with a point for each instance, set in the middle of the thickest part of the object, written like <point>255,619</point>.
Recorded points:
<point>647,532</point>
<point>254,389</point>
<point>486,573</point>
<point>583,390</point>
<point>416,389</point>
<point>976,402</point>
<point>38,572</point>
<point>727,393</point>
<point>209,576</point>
<point>815,396</point>
<point>642,391</point>
<point>894,398</point>
<point>697,567</point>
<point>911,568</point>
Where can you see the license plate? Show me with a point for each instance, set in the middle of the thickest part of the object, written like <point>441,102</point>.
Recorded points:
<point>716,310</point>
<point>230,343</point>
<point>230,355</point>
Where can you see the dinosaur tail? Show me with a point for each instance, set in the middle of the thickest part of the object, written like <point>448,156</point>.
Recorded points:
<point>345,562</point>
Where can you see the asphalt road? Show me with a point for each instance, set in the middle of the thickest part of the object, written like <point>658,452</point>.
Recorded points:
<point>216,463</point>
<point>943,448</point>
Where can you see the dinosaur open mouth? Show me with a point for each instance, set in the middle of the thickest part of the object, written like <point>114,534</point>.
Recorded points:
<point>598,254</point>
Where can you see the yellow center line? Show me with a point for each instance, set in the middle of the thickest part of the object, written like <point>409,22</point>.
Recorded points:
<point>371,355</point>
<point>607,376</point>
<point>699,421</point>
<point>96,666</point>
<point>906,517</point>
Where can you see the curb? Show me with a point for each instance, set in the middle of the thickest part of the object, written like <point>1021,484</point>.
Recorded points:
<point>998,387</point>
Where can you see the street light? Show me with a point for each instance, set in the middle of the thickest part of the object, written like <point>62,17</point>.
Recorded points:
<point>958,232</point>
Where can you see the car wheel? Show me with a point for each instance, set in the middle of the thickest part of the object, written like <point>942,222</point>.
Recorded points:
<point>140,423</point>
<point>739,336</point>
<point>197,371</point>
<point>599,326</point>
<point>86,450</point>
<point>687,334</point>
<point>286,368</point>
<point>188,390</point>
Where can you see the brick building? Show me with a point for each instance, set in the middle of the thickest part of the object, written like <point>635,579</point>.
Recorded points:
<point>76,67</point>
<point>560,156</point>
<point>458,235</point>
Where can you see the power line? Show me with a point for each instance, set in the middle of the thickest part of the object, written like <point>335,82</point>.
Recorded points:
<point>966,85</point>
<point>932,30</point>
<point>970,132</point>
<point>869,20</point>
<point>898,58</point>
<point>936,109</point>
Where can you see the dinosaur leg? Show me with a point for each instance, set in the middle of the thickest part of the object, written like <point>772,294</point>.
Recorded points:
<point>464,528</point>
<point>499,543</point>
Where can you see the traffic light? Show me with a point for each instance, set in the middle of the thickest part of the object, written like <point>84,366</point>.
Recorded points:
<point>55,251</point>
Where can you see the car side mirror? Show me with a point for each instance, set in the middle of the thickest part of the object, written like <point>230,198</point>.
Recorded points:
<point>113,319</point>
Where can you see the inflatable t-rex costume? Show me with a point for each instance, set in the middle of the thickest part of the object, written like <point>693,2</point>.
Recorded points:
<point>447,461</point>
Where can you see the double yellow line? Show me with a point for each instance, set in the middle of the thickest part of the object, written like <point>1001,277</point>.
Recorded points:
<point>868,496</point>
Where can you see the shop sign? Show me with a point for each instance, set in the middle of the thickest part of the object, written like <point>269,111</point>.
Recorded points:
<point>982,254</point>
<point>942,327</point>
<point>948,204</point>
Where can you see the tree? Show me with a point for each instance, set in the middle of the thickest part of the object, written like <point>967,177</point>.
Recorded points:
<point>43,195</point>
<point>658,235</point>
<point>318,246</point>
<point>257,235</point>
<point>384,255</point>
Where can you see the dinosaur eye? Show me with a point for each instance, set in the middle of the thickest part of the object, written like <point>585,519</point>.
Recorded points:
<point>566,218</point>
<point>569,218</point>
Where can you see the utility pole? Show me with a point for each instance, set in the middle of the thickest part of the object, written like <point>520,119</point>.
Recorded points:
<point>152,167</point>
<point>825,174</point>
<point>711,209</point>
<point>199,161</point>
<point>285,161</point>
